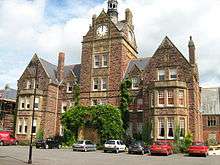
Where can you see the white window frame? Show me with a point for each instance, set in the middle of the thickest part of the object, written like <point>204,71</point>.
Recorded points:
<point>104,81</point>
<point>135,81</point>
<point>37,102</point>
<point>93,84</point>
<point>161,121</point>
<point>169,96</point>
<point>105,60</point>
<point>22,101</point>
<point>67,88</point>
<point>64,104</point>
<point>170,124</point>
<point>24,125</point>
<point>96,61</point>
<point>173,72</point>
<point>159,96</point>
<point>161,72</point>
<point>28,102</point>
<point>20,123</point>
<point>35,125</point>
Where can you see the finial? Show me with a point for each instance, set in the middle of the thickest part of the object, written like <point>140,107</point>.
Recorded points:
<point>191,43</point>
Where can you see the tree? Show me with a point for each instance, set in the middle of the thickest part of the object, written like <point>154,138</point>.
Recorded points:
<point>40,134</point>
<point>76,94</point>
<point>146,132</point>
<point>125,100</point>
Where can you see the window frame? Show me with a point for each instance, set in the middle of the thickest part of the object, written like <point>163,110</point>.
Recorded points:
<point>170,124</point>
<point>105,60</point>
<point>93,85</point>
<point>181,98</point>
<point>170,96</point>
<point>171,74</point>
<point>161,122</point>
<point>106,84</point>
<point>160,98</point>
<point>159,74</point>
<point>135,82</point>
<point>96,61</point>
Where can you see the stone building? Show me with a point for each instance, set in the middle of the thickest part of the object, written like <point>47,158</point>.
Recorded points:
<point>54,93</point>
<point>7,109</point>
<point>165,87</point>
<point>210,109</point>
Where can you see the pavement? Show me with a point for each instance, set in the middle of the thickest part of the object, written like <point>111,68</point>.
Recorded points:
<point>18,155</point>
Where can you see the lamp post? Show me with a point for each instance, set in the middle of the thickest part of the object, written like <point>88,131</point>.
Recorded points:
<point>35,64</point>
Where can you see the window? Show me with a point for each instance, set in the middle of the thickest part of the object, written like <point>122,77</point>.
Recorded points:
<point>96,61</point>
<point>161,128</point>
<point>173,74</point>
<point>161,97</point>
<point>95,84</point>
<point>22,104</point>
<point>170,127</point>
<point>161,75</point>
<point>20,125</point>
<point>182,128</point>
<point>211,121</point>
<point>34,127</point>
<point>135,83</point>
<point>28,85</point>
<point>36,104</point>
<point>28,103</point>
<point>25,126</point>
<point>64,107</point>
<point>104,84</point>
<point>105,60</point>
<point>181,97</point>
<point>170,97</point>
<point>69,88</point>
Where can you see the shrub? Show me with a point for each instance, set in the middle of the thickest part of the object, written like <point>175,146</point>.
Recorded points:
<point>212,142</point>
<point>40,135</point>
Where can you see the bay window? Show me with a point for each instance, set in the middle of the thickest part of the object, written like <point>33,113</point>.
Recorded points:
<point>182,128</point>
<point>181,97</point>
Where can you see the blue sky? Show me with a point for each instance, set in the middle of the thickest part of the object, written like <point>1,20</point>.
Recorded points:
<point>46,27</point>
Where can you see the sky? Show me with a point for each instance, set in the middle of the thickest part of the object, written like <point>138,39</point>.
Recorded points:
<point>47,27</point>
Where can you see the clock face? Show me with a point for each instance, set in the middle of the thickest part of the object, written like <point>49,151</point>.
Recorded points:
<point>102,31</point>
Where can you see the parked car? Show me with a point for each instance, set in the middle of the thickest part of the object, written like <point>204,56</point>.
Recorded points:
<point>214,150</point>
<point>48,144</point>
<point>6,138</point>
<point>161,147</point>
<point>84,145</point>
<point>198,148</point>
<point>114,146</point>
<point>138,147</point>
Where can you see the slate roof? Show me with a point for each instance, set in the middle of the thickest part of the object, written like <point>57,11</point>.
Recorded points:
<point>141,63</point>
<point>9,94</point>
<point>210,101</point>
<point>51,70</point>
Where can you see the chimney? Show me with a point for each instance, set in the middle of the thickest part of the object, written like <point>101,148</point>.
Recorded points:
<point>60,68</point>
<point>128,16</point>
<point>191,46</point>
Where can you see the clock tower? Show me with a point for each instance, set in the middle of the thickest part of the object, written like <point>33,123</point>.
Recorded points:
<point>107,48</point>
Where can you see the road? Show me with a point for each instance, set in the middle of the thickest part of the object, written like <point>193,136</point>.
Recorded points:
<point>18,155</point>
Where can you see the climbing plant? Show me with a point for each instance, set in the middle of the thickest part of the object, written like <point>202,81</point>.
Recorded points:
<point>76,94</point>
<point>105,118</point>
<point>125,100</point>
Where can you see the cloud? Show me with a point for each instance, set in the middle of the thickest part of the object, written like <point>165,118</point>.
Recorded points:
<point>49,26</point>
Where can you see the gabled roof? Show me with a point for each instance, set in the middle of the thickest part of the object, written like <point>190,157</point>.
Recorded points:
<point>168,44</point>
<point>140,63</point>
<point>74,69</point>
<point>50,69</point>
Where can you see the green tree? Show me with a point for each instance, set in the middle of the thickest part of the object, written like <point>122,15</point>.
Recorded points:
<point>76,94</point>
<point>40,134</point>
<point>125,100</point>
<point>146,132</point>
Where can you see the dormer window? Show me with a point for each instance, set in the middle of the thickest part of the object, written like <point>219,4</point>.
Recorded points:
<point>173,74</point>
<point>161,74</point>
<point>69,88</point>
<point>135,82</point>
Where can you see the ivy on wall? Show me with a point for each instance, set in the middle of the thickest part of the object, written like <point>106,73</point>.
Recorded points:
<point>105,118</point>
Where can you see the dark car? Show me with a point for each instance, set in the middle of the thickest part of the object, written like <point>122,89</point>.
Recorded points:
<point>138,147</point>
<point>48,144</point>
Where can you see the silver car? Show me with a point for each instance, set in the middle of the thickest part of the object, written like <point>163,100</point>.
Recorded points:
<point>84,145</point>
